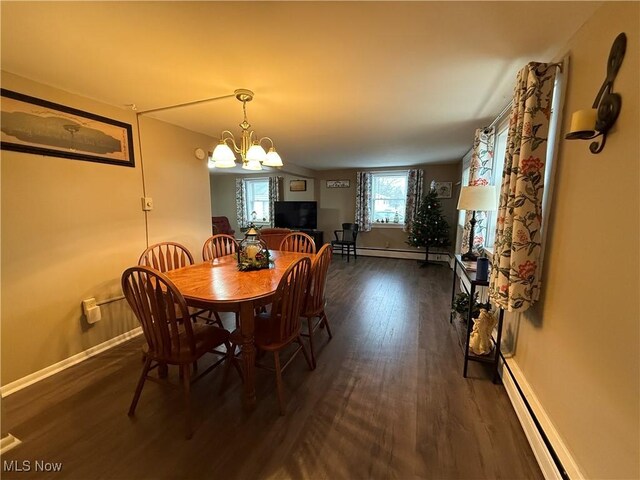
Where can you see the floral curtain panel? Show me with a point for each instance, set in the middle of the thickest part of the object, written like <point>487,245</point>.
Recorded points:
<point>240,196</point>
<point>480,172</point>
<point>515,277</point>
<point>275,186</point>
<point>363,201</point>
<point>415,180</point>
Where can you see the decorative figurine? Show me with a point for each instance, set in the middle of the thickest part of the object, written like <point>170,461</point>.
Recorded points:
<point>480,341</point>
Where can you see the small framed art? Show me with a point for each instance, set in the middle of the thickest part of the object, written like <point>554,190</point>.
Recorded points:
<point>338,183</point>
<point>298,186</point>
<point>443,189</point>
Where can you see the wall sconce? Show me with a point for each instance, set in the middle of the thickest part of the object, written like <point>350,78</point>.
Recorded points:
<point>598,120</point>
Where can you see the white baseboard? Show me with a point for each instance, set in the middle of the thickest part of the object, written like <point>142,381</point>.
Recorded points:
<point>540,449</point>
<point>7,443</point>
<point>32,378</point>
<point>402,254</point>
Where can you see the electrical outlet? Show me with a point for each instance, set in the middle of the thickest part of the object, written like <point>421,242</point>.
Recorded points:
<point>147,204</point>
<point>87,304</point>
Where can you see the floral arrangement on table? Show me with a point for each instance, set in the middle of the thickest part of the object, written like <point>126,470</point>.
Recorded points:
<point>250,260</point>
<point>252,253</point>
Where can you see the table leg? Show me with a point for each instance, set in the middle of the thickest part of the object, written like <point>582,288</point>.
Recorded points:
<point>247,329</point>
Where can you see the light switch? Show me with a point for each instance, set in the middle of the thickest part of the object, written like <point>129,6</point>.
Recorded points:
<point>147,204</point>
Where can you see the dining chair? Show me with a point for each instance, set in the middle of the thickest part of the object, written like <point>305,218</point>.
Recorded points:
<point>347,238</point>
<point>276,330</point>
<point>219,245</point>
<point>165,256</point>
<point>315,301</point>
<point>158,306</point>
<point>298,242</point>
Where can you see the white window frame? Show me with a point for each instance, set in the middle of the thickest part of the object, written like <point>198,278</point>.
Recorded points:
<point>248,184</point>
<point>388,173</point>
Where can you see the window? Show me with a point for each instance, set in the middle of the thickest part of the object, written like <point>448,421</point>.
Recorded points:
<point>500,149</point>
<point>388,197</point>
<point>256,200</point>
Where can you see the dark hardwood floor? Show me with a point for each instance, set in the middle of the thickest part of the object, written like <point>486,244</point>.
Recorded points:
<point>387,401</point>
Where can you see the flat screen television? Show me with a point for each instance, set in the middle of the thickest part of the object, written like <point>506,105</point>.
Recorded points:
<point>296,215</point>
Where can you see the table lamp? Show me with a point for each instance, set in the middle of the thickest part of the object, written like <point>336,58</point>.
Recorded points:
<point>476,198</point>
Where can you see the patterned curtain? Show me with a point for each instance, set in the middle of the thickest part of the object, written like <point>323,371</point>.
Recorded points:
<point>480,172</point>
<point>415,180</point>
<point>275,185</point>
<point>363,201</point>
<point>515,277</point>
<point>240,196</point>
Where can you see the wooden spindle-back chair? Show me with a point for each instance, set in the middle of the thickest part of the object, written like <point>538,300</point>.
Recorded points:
<point>281,327</point>
<point>159,306</point>
<point>219,246</point>
<point>315,299</point>
<point>165,256</point>
<point>298,242</point>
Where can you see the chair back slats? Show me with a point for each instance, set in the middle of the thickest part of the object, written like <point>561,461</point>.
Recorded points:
<point>319,268</point>
<point>219,246</point>
<point>289,300</point>
<point>349,232</point>
<point>298,242</point>
<point>166,256</point>
<point>158,306</point>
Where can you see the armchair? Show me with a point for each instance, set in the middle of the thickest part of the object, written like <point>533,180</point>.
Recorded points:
<point>221,225</point>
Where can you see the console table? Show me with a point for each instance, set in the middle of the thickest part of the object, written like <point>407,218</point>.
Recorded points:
<point>460,271</point>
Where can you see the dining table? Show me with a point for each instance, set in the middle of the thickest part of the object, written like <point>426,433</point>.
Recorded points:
<point>219,285</point>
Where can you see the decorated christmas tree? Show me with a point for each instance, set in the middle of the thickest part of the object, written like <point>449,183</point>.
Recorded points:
<point>429,229</point>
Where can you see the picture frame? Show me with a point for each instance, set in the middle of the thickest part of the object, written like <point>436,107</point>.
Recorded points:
<point>443,189</point>
<point>297,185</point>
<point>338,183</point>
<point>33,125</point>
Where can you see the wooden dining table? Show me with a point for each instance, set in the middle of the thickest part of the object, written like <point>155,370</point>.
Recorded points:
<point>219,285</point>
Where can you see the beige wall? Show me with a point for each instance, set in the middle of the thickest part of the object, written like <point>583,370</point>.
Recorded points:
<point>69,229</point>
<point>579,347</point>
<point>337,205</point>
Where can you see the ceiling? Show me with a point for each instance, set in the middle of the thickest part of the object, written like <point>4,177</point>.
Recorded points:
<point>337,84</point>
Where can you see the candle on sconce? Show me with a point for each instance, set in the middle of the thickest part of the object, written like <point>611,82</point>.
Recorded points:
<point>583,120</point>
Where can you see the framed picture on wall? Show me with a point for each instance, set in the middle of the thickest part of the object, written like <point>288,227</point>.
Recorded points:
<point>37,126</point>
<point>443,189</point>
<point>338,183</point>
<point>297,185</point>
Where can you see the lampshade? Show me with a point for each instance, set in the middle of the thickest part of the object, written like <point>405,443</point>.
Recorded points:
<point>273,159</point>
<point>256,152</point>
<point>477,197</point>
<point>223,156</point>
<point>252,165</point>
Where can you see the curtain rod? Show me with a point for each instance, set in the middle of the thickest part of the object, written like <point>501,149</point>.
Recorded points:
<point>506,109</point>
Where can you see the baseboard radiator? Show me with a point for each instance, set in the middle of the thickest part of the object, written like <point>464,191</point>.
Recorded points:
<point>553,457</point>
<point>400,253</point>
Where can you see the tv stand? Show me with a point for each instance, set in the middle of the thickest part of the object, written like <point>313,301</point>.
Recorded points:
<point>317,235</point>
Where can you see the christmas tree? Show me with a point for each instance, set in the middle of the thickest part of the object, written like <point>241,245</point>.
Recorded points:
<point>429,228</point>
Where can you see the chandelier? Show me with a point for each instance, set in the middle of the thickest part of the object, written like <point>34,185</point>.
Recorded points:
<point>251,152</point>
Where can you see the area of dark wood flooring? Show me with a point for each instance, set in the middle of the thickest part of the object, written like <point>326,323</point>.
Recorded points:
<point>387,400</point>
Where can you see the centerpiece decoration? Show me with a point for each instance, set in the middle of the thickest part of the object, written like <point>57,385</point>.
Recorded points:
<point>252,254</point>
